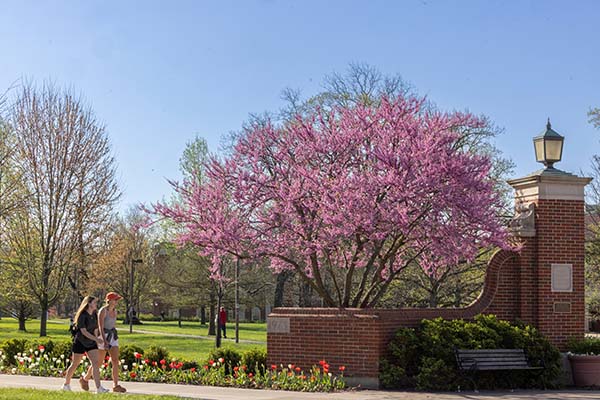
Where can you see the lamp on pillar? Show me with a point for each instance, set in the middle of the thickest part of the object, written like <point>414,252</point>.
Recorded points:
<point>550,224</point>
<point>548,146</point>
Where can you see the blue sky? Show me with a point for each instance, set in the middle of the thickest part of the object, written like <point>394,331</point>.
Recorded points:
<point>158,73</point>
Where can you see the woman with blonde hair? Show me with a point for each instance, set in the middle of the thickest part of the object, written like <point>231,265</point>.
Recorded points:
<point>107,319</point>
<point>85,341</point>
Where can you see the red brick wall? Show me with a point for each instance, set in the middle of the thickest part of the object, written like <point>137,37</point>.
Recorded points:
<point>358,338</point>
<point>517,286</point>
<point>560,239</point>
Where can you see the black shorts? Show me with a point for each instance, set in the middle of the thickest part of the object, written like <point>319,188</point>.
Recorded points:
<point>80,348</point>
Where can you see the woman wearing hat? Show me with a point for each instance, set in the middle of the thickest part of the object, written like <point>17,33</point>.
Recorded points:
<point>86,342</point>
<point>107,319</point>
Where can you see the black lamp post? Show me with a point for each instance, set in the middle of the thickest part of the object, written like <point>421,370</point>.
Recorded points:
<point>548,146</point>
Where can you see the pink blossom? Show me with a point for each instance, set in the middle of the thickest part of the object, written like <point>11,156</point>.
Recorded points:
<point>365,189</point>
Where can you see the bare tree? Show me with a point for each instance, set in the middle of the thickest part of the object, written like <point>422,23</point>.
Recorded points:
<point>10,181</point>
<point>15,300</point>
<point>594,115</point>
<point>126,241</point>
<point>64,156</point>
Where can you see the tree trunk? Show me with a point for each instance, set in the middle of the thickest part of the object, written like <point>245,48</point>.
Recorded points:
<point>433,299</point>
<point>22,318</point>
<point>306,293</point>
<point>203,315</point>
<point>211,320</point>
<point>179,317</point>
<point>218,323</point>
<point>44,316</point>
<point>220,293</point>
<point>282,278</point>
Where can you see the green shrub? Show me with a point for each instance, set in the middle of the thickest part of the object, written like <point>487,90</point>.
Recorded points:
<point>587,346</point>
<point>127,353</point>
<point>593,305</point>
<point>61,347</point>
<point>424,357</point>
<point>393,376</point>
<point>435,374</point>
<point>11,347</point>
<point>187,364</point>
<point>156,353</point>
<point>54,348</point>
<point>255,360</point>
<point>48,344</point>
<point>399,369</point>
<point>232,357</point>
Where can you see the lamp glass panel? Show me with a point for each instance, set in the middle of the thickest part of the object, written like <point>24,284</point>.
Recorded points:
<point>553,150</point>
<point>539,150</point>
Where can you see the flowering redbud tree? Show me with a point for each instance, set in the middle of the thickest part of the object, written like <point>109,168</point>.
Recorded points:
<point>346,198</point>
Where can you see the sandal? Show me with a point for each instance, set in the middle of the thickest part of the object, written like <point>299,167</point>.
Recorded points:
<point>85,385</point>
<point>119,389</point>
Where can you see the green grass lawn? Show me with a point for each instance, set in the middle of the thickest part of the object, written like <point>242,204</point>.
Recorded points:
<point>181,347</point>
<point>35,394</point>
<point>248,331</point>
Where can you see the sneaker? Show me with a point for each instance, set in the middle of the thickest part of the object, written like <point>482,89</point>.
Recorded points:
<point>66,387</point>
<point>85,385</point>
<point>119,389</point>
<point>102,389</point>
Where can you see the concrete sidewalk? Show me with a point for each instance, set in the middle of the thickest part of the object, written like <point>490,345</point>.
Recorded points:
<point>219,393</point>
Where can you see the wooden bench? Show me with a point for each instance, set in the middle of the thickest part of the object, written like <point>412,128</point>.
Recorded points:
<point>472,361</point>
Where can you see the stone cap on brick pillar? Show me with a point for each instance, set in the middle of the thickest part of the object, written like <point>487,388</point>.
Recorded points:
<point>549,184</point>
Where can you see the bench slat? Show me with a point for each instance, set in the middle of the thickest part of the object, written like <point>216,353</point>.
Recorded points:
<point>495,363</point>
<point>499,367</point>
<point>494,351</point>
<point>493,359</point>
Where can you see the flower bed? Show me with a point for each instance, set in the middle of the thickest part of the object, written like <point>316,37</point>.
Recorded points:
<point>219,372</point>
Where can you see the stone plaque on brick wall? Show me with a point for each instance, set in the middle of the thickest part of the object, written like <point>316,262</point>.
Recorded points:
<point>278,325</point>
<point>562,277</point>
<point>562,307</point>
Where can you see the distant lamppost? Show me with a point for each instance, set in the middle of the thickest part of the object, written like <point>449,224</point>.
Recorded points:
<point>131,311</point>
<point>548,146</point>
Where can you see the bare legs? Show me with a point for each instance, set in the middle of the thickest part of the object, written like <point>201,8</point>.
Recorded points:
<point>90,371</point>
<point>95,365</point>
<point>76,360</point>
<point>94,368</point>
<point>114,357</point>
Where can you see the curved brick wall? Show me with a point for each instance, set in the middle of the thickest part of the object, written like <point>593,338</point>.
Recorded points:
<point>357,338</point>
<point>517,286</point>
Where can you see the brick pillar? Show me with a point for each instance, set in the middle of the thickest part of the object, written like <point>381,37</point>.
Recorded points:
<point>551,278</point>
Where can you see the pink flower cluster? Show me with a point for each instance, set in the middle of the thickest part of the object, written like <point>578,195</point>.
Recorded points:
<point>363,189</point>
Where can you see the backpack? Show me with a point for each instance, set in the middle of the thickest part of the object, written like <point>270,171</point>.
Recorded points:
<point>73,329</point>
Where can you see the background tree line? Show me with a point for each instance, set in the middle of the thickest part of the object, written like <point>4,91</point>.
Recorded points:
<point>60,237</point>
